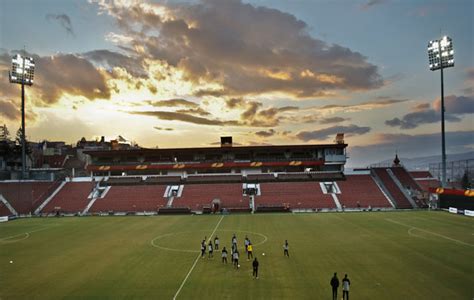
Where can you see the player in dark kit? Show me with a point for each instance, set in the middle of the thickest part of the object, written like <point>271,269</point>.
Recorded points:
<point>203,248</point>
<point>255,268</point>
<point>335,285</point>
<point>235,257</point>
<point>211,250</point>
<point>224,255</point>
<point>286,247</point>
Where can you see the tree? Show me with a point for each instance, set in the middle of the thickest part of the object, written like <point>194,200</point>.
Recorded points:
<point>4,133</point>
<point>465,181</point>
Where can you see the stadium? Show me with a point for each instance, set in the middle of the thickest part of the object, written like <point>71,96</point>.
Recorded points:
<point>138,218</point>
<point>236,149</point>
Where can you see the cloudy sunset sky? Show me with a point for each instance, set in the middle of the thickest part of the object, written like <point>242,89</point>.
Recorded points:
<point>184,73</point>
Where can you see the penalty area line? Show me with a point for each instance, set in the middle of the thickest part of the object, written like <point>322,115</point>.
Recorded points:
<point>430,232</point>
<point>196,260</point>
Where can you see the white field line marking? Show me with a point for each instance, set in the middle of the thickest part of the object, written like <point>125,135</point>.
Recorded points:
<point>430,232</point>
<point>196,260</point>
<point>5,240</point>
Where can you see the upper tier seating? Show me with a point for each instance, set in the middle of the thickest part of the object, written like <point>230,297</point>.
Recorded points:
<point>195,196</point>
<point>295,176</point>
<point>23,196</point>
<point>260,177</point>
<point>392,188</point>
<point>123,180</point>
<point>72,198</point>
<point>214,178</point>
<point>136,198</point>
<point>361,191</point>
<point>163,180</point>
<point>294,194</point>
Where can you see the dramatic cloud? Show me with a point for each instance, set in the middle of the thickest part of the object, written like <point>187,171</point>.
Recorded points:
<point>333,120</point>
<point>8,110</point>
<point>194,111</point>
<point>163,129</point>
<point>69,74</point>
<point>254,115</point>
<point>385,145</point>
<point>456,105</point>
<point>110,60</point>
<point>380,102</point>
<point>265,134</point>
<point>63,20</point>
<point>423,114</point>
<point>173,103</point>
<point>326,133</point>
<point>183,117</point>
<point>63,74</point>
<point>246,50</point>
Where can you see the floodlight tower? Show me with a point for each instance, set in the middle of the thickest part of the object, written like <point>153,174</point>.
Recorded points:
<point>441,56</point>
<point>23,69</point>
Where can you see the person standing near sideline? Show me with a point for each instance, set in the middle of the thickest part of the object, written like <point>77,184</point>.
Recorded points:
<point>224,255</point>
<point>286,247</point>
<point>255,268</point>
<point>345,287</point>
<point>335,285</point>
<point>216,243</point>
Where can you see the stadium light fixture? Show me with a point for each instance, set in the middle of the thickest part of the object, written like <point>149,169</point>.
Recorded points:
<point>22,72</point>
<point>441,56</point>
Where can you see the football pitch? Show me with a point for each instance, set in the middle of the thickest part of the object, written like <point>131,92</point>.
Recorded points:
<point>387,255</point>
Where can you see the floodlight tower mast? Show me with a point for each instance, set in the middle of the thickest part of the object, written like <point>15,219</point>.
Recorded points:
<point>441,56</point>
<point>22,73</point>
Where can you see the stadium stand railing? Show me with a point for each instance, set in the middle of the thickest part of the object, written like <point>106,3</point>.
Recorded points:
<point>391,187</point>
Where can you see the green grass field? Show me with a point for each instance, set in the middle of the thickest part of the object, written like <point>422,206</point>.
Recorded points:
<point>388,255</point>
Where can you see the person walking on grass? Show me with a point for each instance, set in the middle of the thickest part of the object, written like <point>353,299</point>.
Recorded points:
<point>224,255</point>
<point>216,243</point>
<point>249,251</point>
<point>246,243</point>
<point>345,288</point>
<point>203,248</point>
<point>255,268</point>
<point>334,285</point>
<point>286,247</point>
<point>211,250</point>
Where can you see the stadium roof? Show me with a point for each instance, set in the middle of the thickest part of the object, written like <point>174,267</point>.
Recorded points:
<point>225,148</point>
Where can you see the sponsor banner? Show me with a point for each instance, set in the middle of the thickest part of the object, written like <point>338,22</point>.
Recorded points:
<point>453,210</point>
<point>3,219</point>
<point>469,213</point>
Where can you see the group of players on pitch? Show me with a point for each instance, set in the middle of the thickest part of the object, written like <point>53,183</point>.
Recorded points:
<point>234,252</point>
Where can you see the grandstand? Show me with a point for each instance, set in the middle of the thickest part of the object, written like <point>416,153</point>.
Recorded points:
<point>292,178</point>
